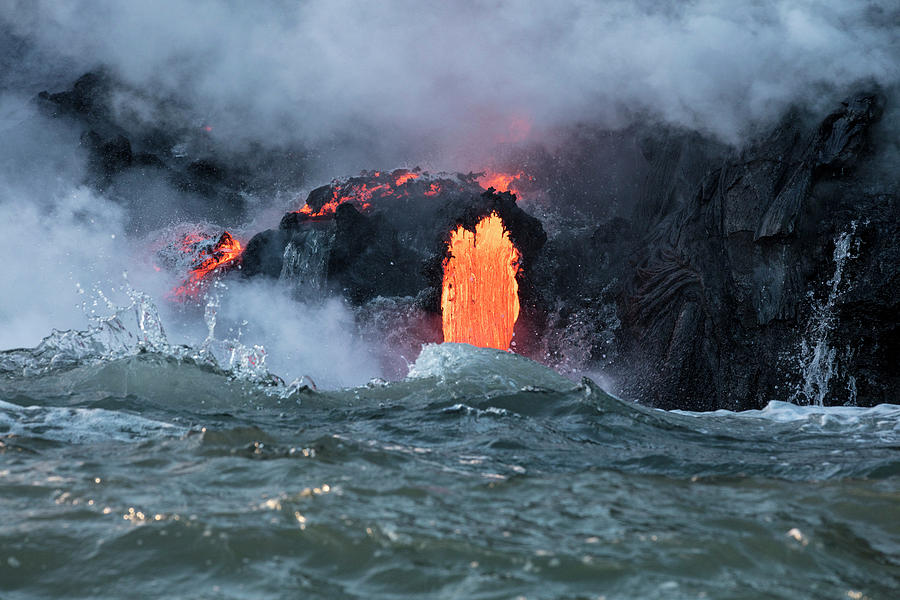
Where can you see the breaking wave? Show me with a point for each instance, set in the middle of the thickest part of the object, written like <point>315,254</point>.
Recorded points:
<point>479,462</point>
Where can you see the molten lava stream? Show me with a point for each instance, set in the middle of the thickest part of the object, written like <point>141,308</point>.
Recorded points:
<point>480,294</point>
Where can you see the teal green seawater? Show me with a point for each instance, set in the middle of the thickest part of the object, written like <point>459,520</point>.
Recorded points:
<point>482,475</point>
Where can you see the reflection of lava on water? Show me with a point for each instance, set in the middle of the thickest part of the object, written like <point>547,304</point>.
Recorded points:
<point>207,255</point>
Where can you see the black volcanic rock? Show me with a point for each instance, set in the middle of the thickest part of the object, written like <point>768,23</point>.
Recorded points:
<point>89,97</point>
<point>368,260</point>
<point>117,146</point>
<point>525,231</point>
<point>718,288</point>
<point>318,197</point>
<point>108,156</point>
<point>717,307</point>
<point>264,253</point>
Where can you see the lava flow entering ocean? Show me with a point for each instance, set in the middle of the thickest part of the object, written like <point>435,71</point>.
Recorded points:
<point>479,296</point>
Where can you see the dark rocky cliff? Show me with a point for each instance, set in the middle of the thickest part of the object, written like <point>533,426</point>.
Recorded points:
<point>730,284</point>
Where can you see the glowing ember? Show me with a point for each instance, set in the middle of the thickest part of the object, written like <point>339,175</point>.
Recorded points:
<point>190,240</point>
<point>480,294</point>
<point>433,190</point>
<point>502,182</point>
<point>209,258</point>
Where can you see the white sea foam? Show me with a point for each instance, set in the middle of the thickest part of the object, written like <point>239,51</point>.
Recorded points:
<point>81,425</point>
<point>884,418</point>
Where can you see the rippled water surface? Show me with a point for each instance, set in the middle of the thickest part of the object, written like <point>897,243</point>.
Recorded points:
<point>482,475</point>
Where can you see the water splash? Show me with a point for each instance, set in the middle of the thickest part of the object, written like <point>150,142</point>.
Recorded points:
<point>817,356</point>
<point>133,329</point>
<point>243,362</point>
<point>118,332</point>
<point>577,339</point>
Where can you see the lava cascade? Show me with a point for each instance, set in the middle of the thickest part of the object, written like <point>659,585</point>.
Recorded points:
<point>480,294</point>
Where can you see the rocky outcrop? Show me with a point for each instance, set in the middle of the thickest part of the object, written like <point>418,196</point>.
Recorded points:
<point>728,287</point>
<point>729,281</point>
<point>697,276</point>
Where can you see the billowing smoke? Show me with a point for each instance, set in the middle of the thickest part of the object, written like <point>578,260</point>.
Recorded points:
<point>374,85</point>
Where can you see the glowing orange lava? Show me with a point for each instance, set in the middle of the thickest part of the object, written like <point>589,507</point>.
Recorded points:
<point>327,209</point>
<point>359,194</point>
<point>362,191</point>
<point>502,182</point>
<point>209,258</point>
<point>406,177</point>
<point>480,294</point>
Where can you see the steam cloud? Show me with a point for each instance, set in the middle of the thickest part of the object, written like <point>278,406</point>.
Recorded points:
<point>376,82</point>
<point>283,70</point>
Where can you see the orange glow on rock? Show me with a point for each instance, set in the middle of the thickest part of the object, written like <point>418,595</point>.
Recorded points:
<point>360,195</point>
<point>209,258</point>
<point>362,191</point>
<point>480,294</point>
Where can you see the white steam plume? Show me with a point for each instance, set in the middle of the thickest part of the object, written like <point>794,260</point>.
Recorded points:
<point>63,240</point>
<point>457,72</point>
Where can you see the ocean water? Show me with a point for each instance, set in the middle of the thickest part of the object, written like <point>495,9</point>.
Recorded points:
<point>133,468</point>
